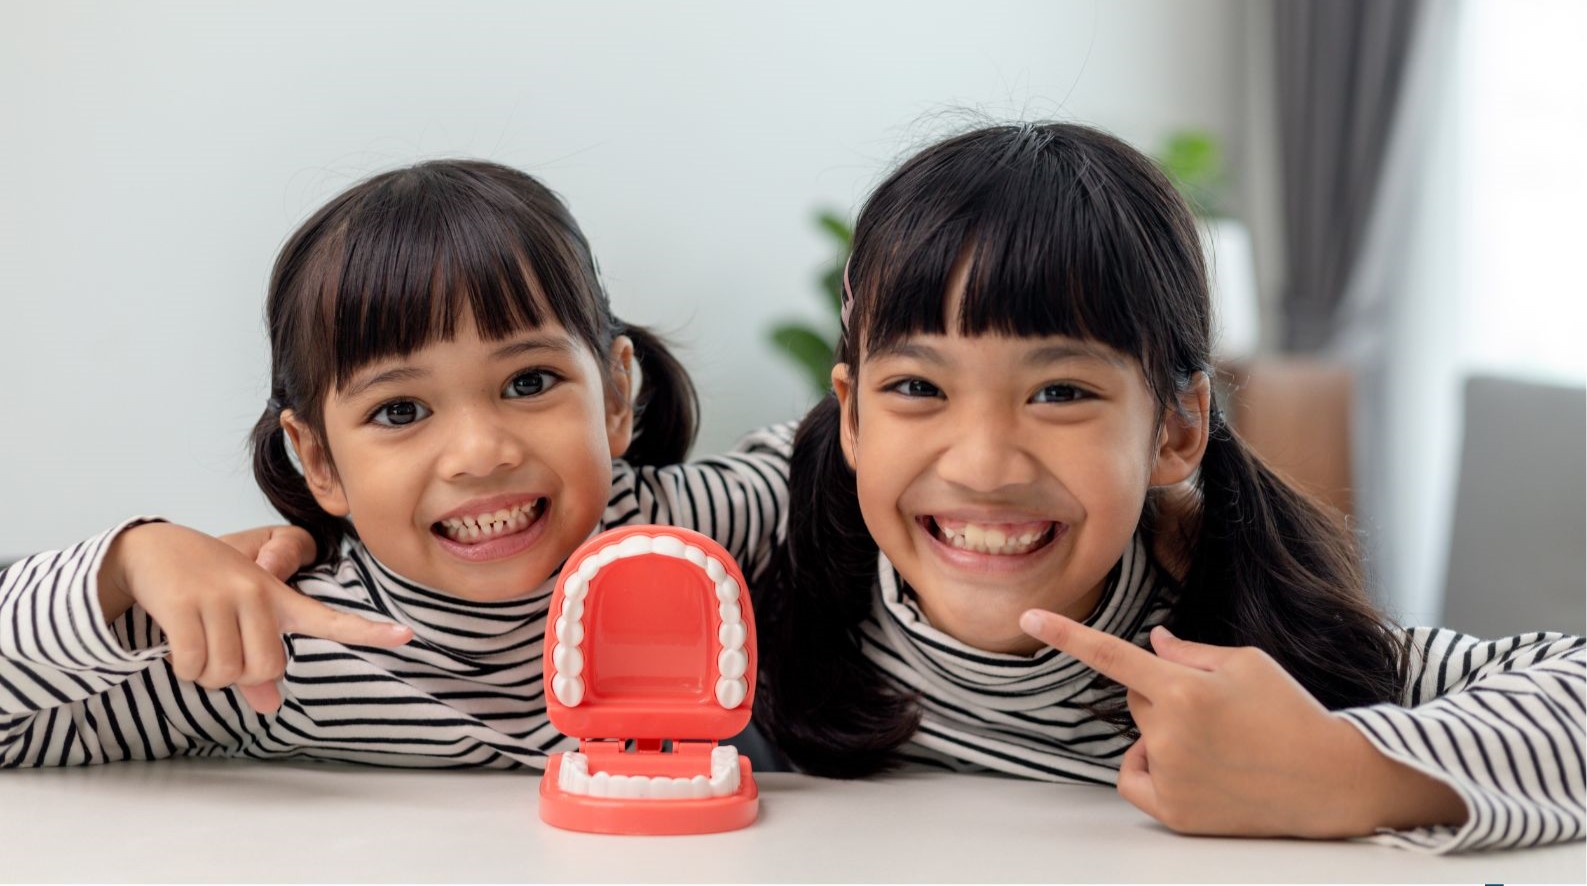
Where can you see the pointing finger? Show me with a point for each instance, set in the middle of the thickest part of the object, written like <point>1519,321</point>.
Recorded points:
<point>304,615</point>
<point>1117,659</point>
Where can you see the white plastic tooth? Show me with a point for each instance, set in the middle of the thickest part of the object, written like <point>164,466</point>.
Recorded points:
<point>730,692</point>
<point>569,690</point>
<point>694,555</point>
<point>670,546</point>
<point>731,613</point>
<point>575,586</point>
<point>715,569</point>
<point>601,784</point>
<point>570,631</point>
<point>727,590</point>
<point>638,786</point>
<point>588,568</point>
<point>661,788</point>
<point>732,634</point>
<point>572,608</point>
<point>699,787</point>
<point>568,660</point>
<point>604,557</point>
<point>634,546</point>
<point>577,760</point>
<point>731,663</point>
<point>681,788</point>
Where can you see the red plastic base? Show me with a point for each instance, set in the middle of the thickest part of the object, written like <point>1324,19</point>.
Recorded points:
<point>612,815</point>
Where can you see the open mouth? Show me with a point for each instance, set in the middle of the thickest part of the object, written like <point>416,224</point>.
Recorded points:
<point>477,529</point>
<point>992,539</point>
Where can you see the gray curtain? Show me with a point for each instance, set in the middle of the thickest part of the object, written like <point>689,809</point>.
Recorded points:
<point>1341,66</point>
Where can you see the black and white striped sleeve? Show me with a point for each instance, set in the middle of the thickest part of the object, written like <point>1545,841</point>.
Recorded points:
<point>739,498</point>
<point>1502,723</point>
<point>62,667</point>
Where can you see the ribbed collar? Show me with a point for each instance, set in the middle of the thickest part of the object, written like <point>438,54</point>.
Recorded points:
<point>945,667</point>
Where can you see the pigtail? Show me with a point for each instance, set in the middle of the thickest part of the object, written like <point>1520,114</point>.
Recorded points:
<point>284,486</point>
<point>823,704</point>
<point>666,412</point>
<point>1272,568</point>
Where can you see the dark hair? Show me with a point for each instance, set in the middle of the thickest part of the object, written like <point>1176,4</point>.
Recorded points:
<point>1068,231</point>
<point>390,265</point>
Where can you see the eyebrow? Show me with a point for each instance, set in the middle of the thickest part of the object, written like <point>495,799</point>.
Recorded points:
<point>1040,356</point>
<point>533,344</point>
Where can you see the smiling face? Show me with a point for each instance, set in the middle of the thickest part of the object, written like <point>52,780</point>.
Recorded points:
<point>471,466</point>
<point>1003,473</point>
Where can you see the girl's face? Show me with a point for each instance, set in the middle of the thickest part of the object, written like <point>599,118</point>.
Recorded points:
<point>1000,474</point>
<point>472,466</point>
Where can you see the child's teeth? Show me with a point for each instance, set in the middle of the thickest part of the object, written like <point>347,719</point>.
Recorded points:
<point>990,539</point>
<point>475,527</point>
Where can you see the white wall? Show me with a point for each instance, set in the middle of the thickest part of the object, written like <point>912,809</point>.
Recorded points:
<point>155,155</point>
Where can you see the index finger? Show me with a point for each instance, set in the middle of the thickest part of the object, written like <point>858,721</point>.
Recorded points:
<point>301,614</point>
<point>1115,658</point>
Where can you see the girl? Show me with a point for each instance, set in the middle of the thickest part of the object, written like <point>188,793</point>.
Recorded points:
<point>452,380</point>
<point>1022,482</point>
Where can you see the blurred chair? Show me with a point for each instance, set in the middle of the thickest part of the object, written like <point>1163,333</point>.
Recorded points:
<point>1518,549</point>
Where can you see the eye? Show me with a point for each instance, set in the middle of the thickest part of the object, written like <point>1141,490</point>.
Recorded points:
<point>398,413</point>
<point>915,387</point>
<point>1060,393</point>
<point>530,384</point>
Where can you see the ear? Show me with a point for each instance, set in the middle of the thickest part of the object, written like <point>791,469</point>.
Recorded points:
<point>318,471</point>
<point>843,387</point>
<point>626,383</point>
<point>1182,441</point>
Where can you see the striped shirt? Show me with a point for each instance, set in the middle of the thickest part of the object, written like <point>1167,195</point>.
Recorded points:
<point>1500,722</point>
<point>466,692</point>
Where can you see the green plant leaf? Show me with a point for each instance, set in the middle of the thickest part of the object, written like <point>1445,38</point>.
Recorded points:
<point>809,350</point>
<point>838,227</point>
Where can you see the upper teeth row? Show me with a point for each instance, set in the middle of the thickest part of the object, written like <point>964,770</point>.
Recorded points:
<point>476,525</point>
<point>574,777</point>
<point>568,661</point>
<point>988,540</point>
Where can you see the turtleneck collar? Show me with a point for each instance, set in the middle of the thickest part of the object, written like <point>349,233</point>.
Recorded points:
<point>949,668</point>
<point>466,628</point>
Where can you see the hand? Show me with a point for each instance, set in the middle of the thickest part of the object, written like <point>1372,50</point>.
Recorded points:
<point>1231,745</point>
<point>222,614</point>
<point>279,550</point>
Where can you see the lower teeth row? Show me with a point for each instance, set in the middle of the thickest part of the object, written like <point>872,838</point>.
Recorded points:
<point>1017,545</point>
<point>574,777</point>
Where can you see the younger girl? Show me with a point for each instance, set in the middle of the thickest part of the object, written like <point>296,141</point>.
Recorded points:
<point>1022,451</point>
<point>458,393</point>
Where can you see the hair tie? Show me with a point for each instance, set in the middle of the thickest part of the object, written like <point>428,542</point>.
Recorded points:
<point>848,295</point>
<point>276,404</point>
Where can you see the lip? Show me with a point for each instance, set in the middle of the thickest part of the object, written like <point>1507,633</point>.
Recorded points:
<point>989,564</point>
<point>505,501</point>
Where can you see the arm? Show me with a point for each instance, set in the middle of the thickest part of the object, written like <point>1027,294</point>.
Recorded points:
<point>739,499</point>
<point>1501,724</point>
<point>84,634</point>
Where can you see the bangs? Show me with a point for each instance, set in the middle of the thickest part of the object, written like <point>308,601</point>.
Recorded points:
<point>405,258</point>
<point>1057,238</point>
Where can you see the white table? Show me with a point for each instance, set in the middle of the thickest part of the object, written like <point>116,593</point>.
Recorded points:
<point>190,820</point>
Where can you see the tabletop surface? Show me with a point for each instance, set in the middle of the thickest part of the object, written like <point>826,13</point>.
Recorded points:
<point>220,820</point>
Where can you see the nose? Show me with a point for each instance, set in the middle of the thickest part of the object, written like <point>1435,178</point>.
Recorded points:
<point>479,443</point>
<point>985,451</point>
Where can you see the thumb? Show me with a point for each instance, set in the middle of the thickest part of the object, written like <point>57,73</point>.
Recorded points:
<point>299,614</point>
<point>1201,656</point>
<point>262,697</point>
<point>286,550</point>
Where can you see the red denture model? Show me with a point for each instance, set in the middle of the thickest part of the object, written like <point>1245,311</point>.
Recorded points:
<point>650,660</point>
